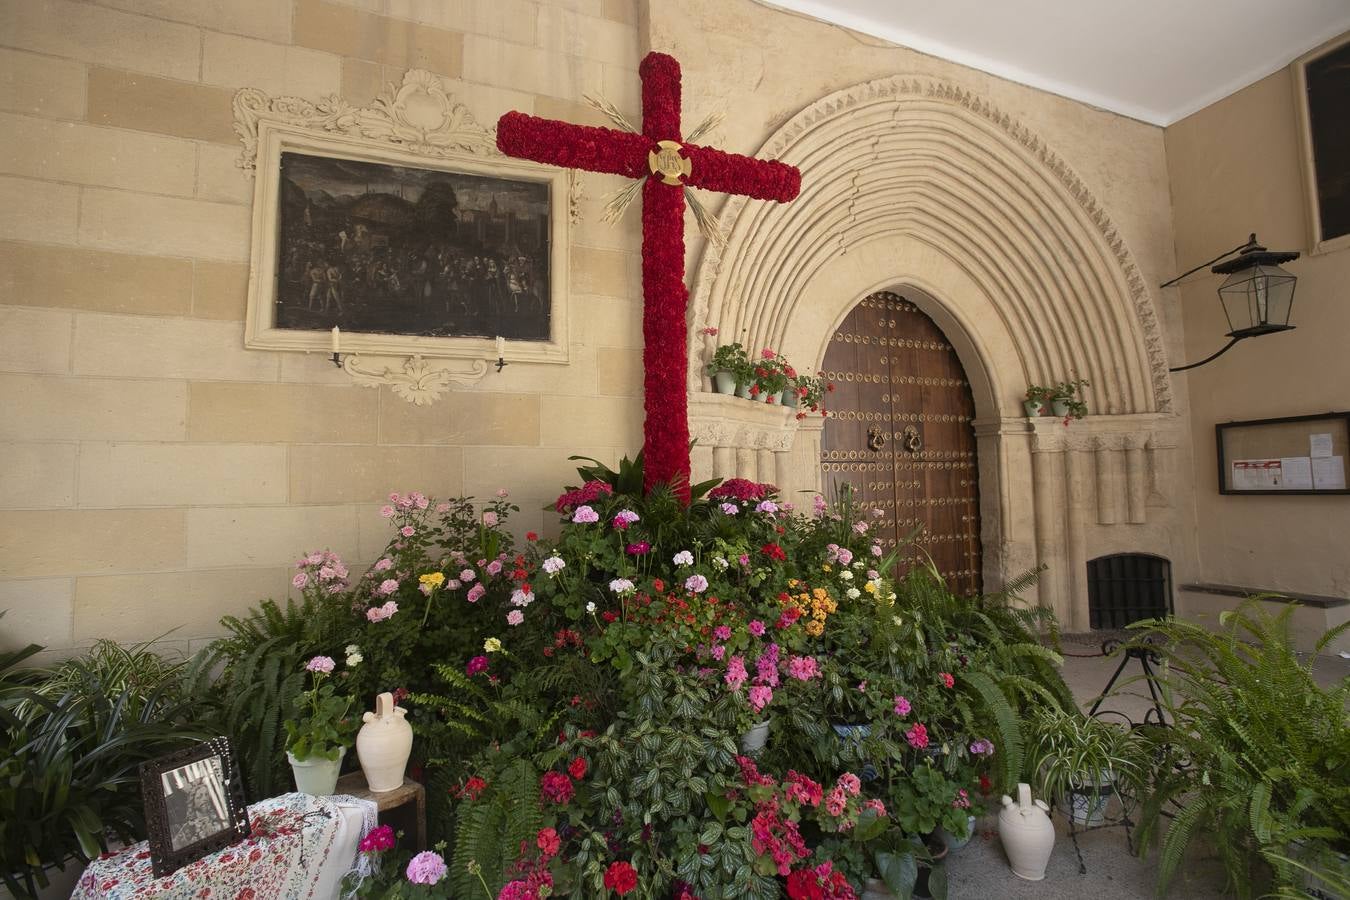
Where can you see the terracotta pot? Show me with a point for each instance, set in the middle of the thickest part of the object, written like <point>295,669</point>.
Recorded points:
<point>921,885</point>
<point>1028,834</point>
<point>384,743</point>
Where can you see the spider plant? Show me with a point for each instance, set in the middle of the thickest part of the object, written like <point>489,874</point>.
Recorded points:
<point>73,741</point>
<point>1083,760</point>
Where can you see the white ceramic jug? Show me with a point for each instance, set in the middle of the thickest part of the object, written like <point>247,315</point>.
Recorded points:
<point>383,744</point>
<point>1028,834</point>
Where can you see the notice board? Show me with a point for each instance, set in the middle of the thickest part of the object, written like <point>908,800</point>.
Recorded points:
<point>1292,455</point>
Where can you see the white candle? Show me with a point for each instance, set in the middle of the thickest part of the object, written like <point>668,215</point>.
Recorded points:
<point>337,338</point>
<point>501,347</point>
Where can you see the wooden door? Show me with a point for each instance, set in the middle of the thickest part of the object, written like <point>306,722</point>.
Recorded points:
<point>900,432</point>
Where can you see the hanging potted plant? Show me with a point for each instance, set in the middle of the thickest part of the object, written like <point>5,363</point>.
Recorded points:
<point>315,739</point>
<point>1066,401</point>
<point>770,373</point>
<point>1036,400</point>
<point>1080,762</point>
<point>729,369</point>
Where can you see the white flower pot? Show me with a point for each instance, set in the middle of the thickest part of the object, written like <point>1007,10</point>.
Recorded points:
<point>383,745</point>
<point>1060,408</point>
<point>1087,803</point>
<point>724,382</point>
<point>753,740</point>
<point>1027,833</point>
<point>743,391</point>
<point>316,775</point>
<point>955,843</point>
<point>1033,408</point>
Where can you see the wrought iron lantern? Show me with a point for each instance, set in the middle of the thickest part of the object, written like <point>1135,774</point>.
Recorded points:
<point>1257,295</point>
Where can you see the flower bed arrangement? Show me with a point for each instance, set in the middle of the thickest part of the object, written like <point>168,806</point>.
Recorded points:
<point>579,701</point>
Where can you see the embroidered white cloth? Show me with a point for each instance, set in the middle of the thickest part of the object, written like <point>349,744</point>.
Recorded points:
<point>300,849</point>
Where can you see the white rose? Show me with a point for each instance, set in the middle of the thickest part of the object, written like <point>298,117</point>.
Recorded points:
<point>853,593</point>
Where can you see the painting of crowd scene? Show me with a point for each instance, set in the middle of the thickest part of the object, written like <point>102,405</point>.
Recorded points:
<point>400,250</point>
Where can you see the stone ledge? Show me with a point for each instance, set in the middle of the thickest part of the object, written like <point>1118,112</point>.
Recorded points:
<point>1231,590</point>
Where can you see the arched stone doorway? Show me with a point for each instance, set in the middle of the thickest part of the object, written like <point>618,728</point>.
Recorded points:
<point>928,189</point>
<point>901,436</point>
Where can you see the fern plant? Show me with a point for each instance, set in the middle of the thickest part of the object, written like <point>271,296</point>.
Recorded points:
<point>1258,757</point>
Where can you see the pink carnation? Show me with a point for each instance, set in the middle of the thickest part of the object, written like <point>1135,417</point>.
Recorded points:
<point>476,593</point>
<point>515,617</point>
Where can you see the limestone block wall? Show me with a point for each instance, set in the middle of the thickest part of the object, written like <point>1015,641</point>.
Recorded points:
<point>154,474</point>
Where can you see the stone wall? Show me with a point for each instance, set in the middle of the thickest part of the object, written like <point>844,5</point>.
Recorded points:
<point>1224,186</point>
<point>154,474</point>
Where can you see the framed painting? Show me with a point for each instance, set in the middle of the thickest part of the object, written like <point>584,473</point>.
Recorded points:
<point>194,804</point>
<point>402,226</point>
<point>1322,96</point>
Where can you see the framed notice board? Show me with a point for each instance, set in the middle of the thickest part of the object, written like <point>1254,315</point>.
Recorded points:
<point>1293,455</point>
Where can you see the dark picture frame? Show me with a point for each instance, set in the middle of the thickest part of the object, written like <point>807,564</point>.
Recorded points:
<point>1322,95</point>
<point>1276,457</point>
<point>194,804</point>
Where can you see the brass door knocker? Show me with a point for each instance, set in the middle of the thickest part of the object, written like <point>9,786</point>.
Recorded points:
<point>876,438</point>
<point>911,440</point>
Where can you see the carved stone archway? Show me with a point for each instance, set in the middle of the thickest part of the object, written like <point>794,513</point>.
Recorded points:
<point>922,187</point>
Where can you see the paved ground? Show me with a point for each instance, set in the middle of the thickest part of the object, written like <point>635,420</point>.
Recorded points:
<point>981,872</point>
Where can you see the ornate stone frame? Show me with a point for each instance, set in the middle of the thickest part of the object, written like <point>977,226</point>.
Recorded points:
<point>416,123</point>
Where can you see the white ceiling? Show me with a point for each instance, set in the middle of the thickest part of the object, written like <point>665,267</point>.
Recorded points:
<point>1154,60</point>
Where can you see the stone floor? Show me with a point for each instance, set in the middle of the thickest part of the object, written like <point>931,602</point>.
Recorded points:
<point>981,870</point>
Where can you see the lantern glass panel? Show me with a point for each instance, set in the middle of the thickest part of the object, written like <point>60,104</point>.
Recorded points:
<point>1257,299</point>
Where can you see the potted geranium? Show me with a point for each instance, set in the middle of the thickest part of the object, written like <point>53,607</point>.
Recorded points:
<point>1066,401</point>
<point>771,378</point>
<point>729,368</point>
<point>1036,399</point>
<point>807,392</point>
<point>315,739</point>
<point>1081,761</point>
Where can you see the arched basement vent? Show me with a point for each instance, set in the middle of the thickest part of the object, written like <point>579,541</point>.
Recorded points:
<point>1126,588</point>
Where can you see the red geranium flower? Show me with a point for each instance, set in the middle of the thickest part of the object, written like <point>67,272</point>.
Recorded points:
<point>557,787</point>
<point>621,877</point>
<point>531,536</point>
<point>577,768</point>
<point>547,841</point>
<point>773,551</point>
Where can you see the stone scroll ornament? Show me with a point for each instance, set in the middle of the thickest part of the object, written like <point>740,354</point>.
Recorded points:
<point>665,167</point>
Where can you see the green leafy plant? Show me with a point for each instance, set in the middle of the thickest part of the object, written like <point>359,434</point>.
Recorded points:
<point>249,682</point>
<point>321,726</point>
<point>1068,394</point>
<point>731,358</point>
<point>1071,753</point>
<point>811,391</point>
<point>1258,755</point>
<point>1039,393</point>
<point>770,374</point>
<point>74,738</point>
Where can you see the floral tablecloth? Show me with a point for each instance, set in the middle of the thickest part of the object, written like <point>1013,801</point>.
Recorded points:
<point>293,837</point>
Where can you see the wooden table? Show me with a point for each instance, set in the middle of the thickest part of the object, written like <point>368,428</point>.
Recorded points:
<point>410,794</point>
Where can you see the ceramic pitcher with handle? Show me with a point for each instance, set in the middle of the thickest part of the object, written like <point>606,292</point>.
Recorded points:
<point>384,744</point>
<point>1028,834</point>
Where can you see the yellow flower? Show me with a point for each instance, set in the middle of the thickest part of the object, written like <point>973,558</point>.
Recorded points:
<point>792,582</point>
<point>870,587</point>
<point>826,568</point>
<point>815,628</point>
<point>492,645</point>
<point>432,580</point>
<point>819,593</point>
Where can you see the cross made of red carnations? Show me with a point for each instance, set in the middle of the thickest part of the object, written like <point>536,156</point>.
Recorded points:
<point>658,155</point>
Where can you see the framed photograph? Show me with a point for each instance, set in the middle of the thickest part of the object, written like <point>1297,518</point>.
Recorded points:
<point>194,804</point>
<point>1322,96</point>
<point>1291,455</point>
<point>401,225</point>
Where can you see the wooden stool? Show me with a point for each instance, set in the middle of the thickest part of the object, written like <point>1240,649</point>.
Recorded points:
<point>400,798</point>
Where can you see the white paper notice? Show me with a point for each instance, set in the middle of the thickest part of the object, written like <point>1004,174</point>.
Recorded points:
<point>1296,473</point>
<point>1321,444</point>
<point>1256,474</point>
<point>1328,473</point>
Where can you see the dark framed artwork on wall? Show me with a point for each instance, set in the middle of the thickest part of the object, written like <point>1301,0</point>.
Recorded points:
<point>194,804</point>
<point>1322,97</point>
